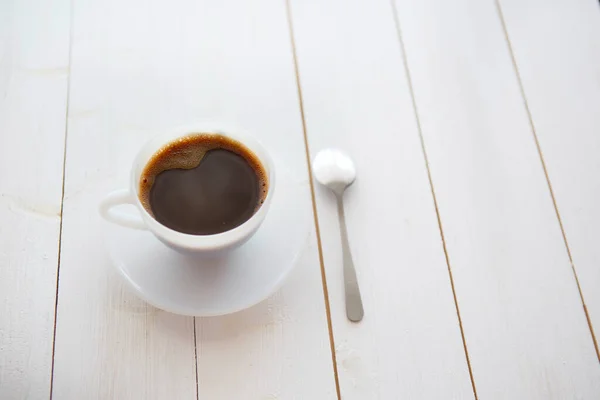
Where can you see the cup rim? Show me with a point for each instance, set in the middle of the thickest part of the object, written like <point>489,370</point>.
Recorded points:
<point>215,241</point>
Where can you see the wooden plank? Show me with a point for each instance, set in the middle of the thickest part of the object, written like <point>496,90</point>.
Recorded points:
<point>525,328</point>
<point>109,344</point>
<point>558,65</point>
<point>279,349</point>
<point>33,89</point>
<point>160,65</point>
<point>356,98</point>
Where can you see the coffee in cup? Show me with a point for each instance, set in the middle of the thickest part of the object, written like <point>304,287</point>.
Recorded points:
<point>203,184</point>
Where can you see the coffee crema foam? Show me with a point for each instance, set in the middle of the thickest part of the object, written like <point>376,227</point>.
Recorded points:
<point>187,152</point>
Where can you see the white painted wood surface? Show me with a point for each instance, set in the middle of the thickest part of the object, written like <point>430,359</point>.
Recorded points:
<point>160,65</point>
<point>33,88</point>
<point>525,329</point>
<point>139,67</point>
<point>279,349</point>
<point>109,344</point>
<point>356,97</point>
<point>559,65</point>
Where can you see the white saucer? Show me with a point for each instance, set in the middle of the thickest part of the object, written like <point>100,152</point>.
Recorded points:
<point>203,286</point>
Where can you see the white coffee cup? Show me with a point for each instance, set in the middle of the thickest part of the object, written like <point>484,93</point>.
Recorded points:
<point>181,241</point>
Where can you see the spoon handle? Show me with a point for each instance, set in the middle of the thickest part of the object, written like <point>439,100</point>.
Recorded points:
<point>354,306</point>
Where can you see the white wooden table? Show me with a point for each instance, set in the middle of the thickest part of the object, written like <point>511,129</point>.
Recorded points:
<point>475,127</point>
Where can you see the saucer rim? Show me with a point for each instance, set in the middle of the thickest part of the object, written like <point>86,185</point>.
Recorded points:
<point>269,292</point>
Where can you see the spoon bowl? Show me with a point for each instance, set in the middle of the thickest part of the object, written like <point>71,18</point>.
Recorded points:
<point>335,169</point>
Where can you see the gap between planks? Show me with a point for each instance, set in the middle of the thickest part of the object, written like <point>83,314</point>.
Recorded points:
<point>196,359</point>
<point>543,162</point>
<point>62,196</point>
<point>313,200</point>
<point>435,202</point>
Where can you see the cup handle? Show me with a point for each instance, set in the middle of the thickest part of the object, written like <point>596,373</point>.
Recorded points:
<point>118,198</point>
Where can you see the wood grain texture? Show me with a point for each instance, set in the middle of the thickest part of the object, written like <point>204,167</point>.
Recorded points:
<point>34,42</point>
<point>356,98</point>
<point>558,62</point>
<point>138,68</point>
<point>279,349</point>
<point>110,344</point>
<point>525,329</point>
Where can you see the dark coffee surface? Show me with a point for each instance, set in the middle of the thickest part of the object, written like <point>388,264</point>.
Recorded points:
<point>218,186</point>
